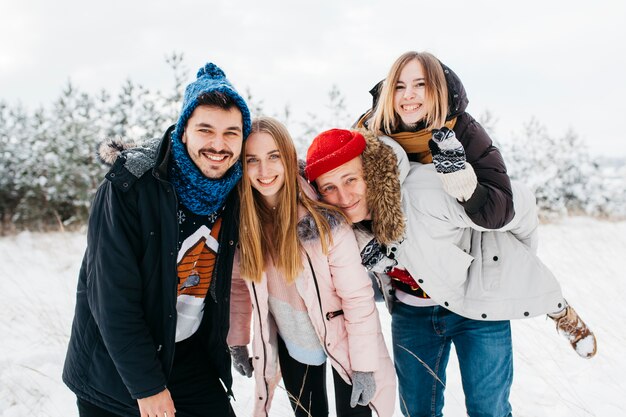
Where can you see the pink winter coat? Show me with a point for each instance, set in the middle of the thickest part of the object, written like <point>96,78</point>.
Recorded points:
<point>352,341</point>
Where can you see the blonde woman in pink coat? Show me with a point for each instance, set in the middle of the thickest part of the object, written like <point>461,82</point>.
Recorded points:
<point>298,272</point>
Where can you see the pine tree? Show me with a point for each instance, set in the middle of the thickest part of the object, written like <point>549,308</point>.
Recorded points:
<point>8,191</point>
<point>336,116</point>
<point>560,171</point>
<point>18,145</point>
<point>62,165</point>
<point>49,169</point>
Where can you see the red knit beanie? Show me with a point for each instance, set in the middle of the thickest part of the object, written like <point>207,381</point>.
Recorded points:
<point>331,149</point>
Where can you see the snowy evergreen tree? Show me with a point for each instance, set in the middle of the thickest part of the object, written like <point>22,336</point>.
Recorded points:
<point>335,116</point>
<point>561,172</point>
<point>9,195</point>
<point>615,186</point>
<point>17,138</point>
<point>170,100</point>
<point>49,168</point>
<point>531,159</point>
<point>488,121</point>
<point>60,170</point>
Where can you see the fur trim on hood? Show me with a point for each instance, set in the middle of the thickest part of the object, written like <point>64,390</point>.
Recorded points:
<point>384,197</point>
<point>307,229</point>
<point>138,158</point>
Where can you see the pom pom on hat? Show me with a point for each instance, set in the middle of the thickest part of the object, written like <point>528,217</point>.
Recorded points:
<point>331,149</point>
<point>212,70</point>
<point>210,78</point>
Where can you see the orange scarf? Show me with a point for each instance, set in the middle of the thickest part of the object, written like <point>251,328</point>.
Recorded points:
<point>417,142</point>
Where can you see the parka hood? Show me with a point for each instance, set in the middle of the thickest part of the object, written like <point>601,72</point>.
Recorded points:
<point>385,166</point>
<point>307,229</point>
<point>136,158</point>
<point>457,97</point>
<point>384,169</point>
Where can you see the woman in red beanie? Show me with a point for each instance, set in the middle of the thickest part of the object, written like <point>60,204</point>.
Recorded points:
<point>453,199</point>
<point>298,271</point>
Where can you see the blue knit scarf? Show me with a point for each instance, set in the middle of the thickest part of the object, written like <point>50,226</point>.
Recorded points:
<point>201,195</point>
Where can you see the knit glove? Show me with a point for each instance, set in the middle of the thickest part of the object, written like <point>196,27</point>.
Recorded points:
<point>242,362</point>
<point>457,176</point>
<point>374,258</point>
<point>363,388</point>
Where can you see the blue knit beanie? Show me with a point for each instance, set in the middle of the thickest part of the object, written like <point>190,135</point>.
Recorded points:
<point>210,78</point>
<point>202,195</point>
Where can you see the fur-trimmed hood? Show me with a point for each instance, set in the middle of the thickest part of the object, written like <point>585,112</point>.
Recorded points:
<point>307,229</point>
<point>385,166</point>
<point>137,158</point>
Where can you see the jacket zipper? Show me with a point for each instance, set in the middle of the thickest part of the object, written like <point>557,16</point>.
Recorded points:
<point>319,300</point>
<point>258,311</point>
<point>331,314</point>
<point>171,190</point>
<point>175,318</point>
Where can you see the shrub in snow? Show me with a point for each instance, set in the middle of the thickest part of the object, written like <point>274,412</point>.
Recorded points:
<point>566,179</point>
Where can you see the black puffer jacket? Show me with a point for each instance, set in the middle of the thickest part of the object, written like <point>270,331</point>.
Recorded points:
<point>491,205</point>
<point>122,342</point>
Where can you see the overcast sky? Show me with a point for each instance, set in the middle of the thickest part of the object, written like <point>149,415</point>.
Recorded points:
<point>562,62</point>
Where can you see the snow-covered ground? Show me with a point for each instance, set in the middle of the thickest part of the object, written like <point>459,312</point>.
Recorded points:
<point>38,280</point>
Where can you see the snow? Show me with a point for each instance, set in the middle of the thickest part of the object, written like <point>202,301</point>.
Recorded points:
<point>37,290</point>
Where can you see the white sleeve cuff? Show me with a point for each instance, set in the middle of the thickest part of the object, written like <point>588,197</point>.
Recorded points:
<point>460,184</point>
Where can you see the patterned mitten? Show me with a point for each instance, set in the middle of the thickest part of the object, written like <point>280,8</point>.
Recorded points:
<point>448,153</point>
<point>457,176</point>
<point>375,259</point>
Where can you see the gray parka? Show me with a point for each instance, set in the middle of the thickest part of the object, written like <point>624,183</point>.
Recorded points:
<point>475,272</point>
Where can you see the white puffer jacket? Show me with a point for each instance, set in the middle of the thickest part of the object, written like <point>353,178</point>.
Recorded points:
<point>475,272</point>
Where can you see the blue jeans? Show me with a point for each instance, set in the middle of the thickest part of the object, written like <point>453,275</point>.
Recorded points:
<point>484,350</point>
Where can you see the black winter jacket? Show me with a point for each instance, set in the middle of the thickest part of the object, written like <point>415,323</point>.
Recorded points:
<point>122,341</point>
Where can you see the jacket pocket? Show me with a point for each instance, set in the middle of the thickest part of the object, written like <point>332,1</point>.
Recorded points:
<point>491,261</point>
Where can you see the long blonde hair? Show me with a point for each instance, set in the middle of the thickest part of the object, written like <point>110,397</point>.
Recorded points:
<point>386,121</point>
<point>266,231</point>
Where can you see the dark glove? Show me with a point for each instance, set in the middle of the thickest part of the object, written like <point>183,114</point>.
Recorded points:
<point>457,176</point>
<point>242,362</point>
<point>363,388</point>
